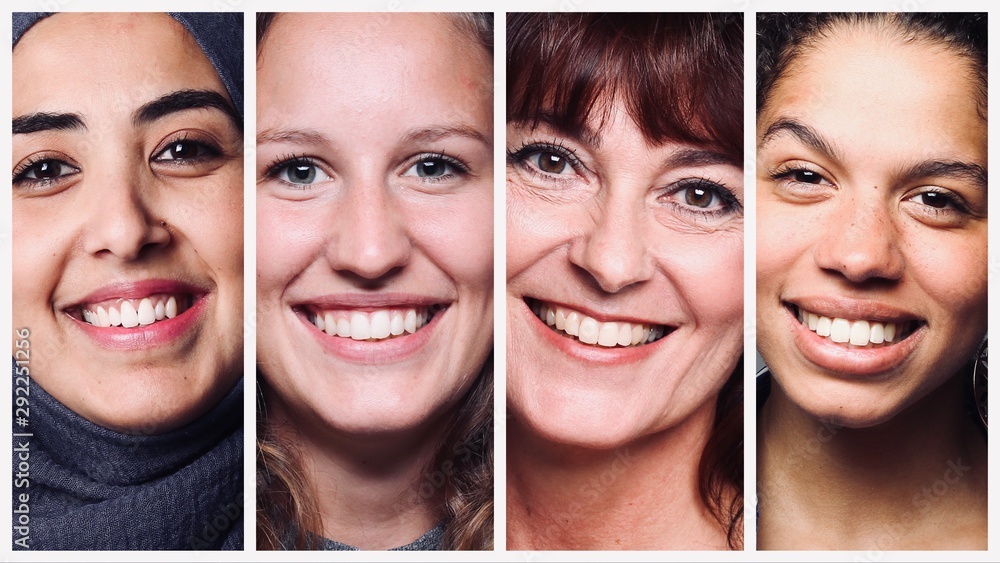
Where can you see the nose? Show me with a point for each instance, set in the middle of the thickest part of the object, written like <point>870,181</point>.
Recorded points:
<point>861,241</point>
<point>371,238</point>
<point>120,220</point>
<point>613,249</point>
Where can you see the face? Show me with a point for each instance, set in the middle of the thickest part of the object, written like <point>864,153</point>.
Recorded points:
<point>871,284</point>
<point>624,277</point>
<point>127,206</point>
<point>374,202</point>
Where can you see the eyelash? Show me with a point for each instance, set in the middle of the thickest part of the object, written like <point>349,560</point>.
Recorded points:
<point>521,158</point>
<point>210,149</point>
<point>729,204</point>
<point>460,168</point>
<point>283,163</point>
<point>20,174</point>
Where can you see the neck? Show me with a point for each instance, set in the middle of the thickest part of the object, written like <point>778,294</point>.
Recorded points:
<point>642,495</point>
<point>868,487</point>
<point>373,492</point>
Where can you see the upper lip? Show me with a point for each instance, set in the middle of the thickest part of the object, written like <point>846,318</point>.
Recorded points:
<point>137,290</point>
<point>372,301</point>
<point>604,317</point>
<point>854,309</point>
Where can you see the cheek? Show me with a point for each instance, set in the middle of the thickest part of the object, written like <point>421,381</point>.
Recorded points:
<point>711,282</point>
<point>458,236</point>
<point>42,245</point>
<point>289,238</point>
<point>782,239</point>
<point>951,267</point>
<point>534,229</point>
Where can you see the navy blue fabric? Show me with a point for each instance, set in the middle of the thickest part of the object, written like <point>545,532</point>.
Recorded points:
<point>220,36</point>
<point>91,488</point>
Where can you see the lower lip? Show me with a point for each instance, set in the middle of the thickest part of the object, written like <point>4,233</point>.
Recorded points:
<point>838,358</point>
<point>585,352</point>
<point>160,333</point>
<point>375,352</point>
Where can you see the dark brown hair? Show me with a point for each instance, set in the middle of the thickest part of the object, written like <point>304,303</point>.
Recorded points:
<point>462,469</point>
<point>680,78</point>
<point>781,38</point>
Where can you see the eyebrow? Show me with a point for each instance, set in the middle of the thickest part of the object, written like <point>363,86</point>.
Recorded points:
<point>699,157</point>
<point>430,134</point>
<point>42,121</point>
<point>183,100</point>
<point>956,170</point>
<point>804,133</point>
<point>585,134</point>
<point>294,136</point>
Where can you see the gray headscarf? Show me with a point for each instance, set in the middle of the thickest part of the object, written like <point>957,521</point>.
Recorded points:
<point>220,36</point>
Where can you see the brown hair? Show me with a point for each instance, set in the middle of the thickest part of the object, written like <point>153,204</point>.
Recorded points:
<point>680,78</point>
<point>781,38</point>
<point>287,514</point>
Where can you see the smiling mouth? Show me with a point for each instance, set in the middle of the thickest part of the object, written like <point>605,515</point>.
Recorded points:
<point>588,330</point>
<point>372,326</point>
<point>856,333</point>
<point>133,313</point>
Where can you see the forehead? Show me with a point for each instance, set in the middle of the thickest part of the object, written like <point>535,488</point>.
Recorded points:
<point>874,94</point>
<point>325,67</point>
<point>99,62</point>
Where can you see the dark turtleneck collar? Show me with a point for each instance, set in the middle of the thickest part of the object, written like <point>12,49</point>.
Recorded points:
<point>94,488</point>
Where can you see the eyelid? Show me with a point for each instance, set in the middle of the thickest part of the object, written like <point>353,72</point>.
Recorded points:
<point>281,164</point>
<point>729,202</point>
<point>204,141</point>
<point>458,165</point>
<point>520,157</point>
<point>30,161</point>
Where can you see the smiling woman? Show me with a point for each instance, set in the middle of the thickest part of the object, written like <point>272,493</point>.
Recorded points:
<point>871,280</point>
<point>375,281</point>
<point>128,279</point>
<point>624,269</point>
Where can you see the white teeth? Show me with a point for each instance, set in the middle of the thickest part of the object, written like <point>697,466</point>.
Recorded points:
<point>573,323</point>
<point>147,315</point>
<point>131,313</point>
<point>589,330</point>
<point>840,330</point>
<point>376,325</point>
<point>130,317</point>
<point>858,333</point>
<point>343,326</point>
<point>410,321</point>
<point>823,326</point>
<point>397,325</point>
<point>380,324</point>
<point>877,334</point>
<point>608,335</point>
<point>102,318</point>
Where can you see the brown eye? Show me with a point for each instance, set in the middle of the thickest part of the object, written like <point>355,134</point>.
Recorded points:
<point>46,170</point>
<point>806,177</point>
<point>551,163</point>
<point>936,200</point>
<point>699,197</point>
<point>184,149</point>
